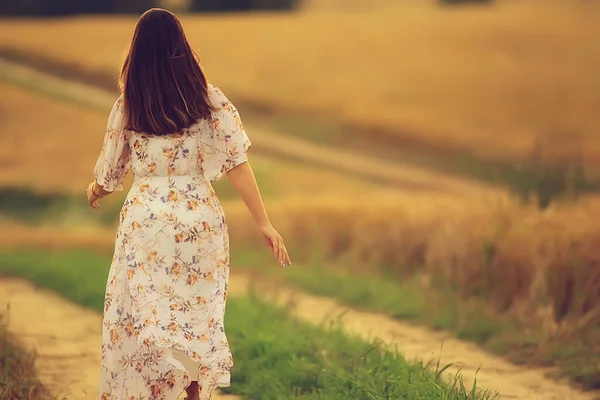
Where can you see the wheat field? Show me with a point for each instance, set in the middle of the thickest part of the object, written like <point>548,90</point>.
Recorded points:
<point>492,77</point>
<point>52,147</point>
<point>488,80</point>
<point>541,267</point>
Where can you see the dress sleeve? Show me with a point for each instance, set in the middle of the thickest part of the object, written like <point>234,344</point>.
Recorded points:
<point>113,162</point>
<point>227,144</point>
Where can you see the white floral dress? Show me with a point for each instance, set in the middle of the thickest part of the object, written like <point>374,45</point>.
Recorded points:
<point>167,285</point>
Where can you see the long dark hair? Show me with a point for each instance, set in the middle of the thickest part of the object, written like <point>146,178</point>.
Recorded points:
<point>164,88</point>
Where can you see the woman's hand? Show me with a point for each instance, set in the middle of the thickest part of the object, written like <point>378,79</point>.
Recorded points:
<point>275,242</point>
<point>93,195</point>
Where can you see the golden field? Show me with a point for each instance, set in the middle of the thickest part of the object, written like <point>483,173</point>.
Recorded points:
<point>538,267</point>
<point>541,269</point>
<point>488,80</point>
<point>506,64</point>
<point>52,147</point>
<point>541,266</point>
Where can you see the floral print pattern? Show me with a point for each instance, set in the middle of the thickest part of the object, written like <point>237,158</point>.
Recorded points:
<point>167,284</point>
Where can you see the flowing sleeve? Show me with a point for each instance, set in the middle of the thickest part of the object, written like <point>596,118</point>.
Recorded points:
<point>113,162</point>
<point>227,144</point>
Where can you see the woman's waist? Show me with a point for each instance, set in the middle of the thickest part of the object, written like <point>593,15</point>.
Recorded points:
<point>155,188</point>
<point>172,180</point>
<point>180,197</point>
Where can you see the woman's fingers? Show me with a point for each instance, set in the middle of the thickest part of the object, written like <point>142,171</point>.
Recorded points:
<point>275,242</point>
<point>91,197</point>
<point>281,253</point>
<point>286,256</point>
<point>276,247</point>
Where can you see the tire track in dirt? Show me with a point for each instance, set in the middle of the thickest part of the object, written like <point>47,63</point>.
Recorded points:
<point>265,142</point>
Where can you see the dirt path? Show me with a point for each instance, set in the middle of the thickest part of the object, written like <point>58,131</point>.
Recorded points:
<point>67,339</point>
<point>264,141</point>
<point>65,336</point>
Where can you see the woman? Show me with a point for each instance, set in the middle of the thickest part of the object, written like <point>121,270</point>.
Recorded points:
<point>165,298</point>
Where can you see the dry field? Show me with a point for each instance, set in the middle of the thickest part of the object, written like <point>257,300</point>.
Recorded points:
<point>541,267</point>
<point>484,79</point>
<point>52,147</point>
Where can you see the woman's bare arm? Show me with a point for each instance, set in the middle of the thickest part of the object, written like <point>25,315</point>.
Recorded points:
<point>244,182</point>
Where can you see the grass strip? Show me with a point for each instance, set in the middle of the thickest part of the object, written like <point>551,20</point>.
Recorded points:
<point>435,305</point>
<point>277,357</point>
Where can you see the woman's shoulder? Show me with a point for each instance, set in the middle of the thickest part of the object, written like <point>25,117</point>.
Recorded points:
<point>118,104</point>
<point>216,95</point>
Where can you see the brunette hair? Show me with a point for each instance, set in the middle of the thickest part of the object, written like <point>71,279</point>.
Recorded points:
<point>164,88</point>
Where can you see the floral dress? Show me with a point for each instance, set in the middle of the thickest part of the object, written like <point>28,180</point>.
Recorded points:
<point>167,285</point>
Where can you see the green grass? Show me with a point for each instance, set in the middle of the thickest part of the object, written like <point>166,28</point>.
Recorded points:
<point>78,275</point>
<point>17,379</point>
<point>276,356</point>
<point>279,357</point>
<point>26,205</point>
<point>437,307</point>
<point>403,299</point>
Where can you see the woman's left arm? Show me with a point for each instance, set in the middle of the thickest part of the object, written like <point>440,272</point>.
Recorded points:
<point>94,193</point>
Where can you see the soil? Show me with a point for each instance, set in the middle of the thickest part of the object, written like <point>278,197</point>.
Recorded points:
<point>65,336</point>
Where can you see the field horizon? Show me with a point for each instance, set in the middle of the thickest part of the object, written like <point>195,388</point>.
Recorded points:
<point>415,77</point>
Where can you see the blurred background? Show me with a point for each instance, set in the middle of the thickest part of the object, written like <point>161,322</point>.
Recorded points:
<point>452,146</point>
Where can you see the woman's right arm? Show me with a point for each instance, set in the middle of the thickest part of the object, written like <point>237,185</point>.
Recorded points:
<point>225,152</point>
<point>244,182</point>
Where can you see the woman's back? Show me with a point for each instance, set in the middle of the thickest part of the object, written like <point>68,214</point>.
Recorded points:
<point>204,151</point>
<point>170,267</point>
<point>167,285</point>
